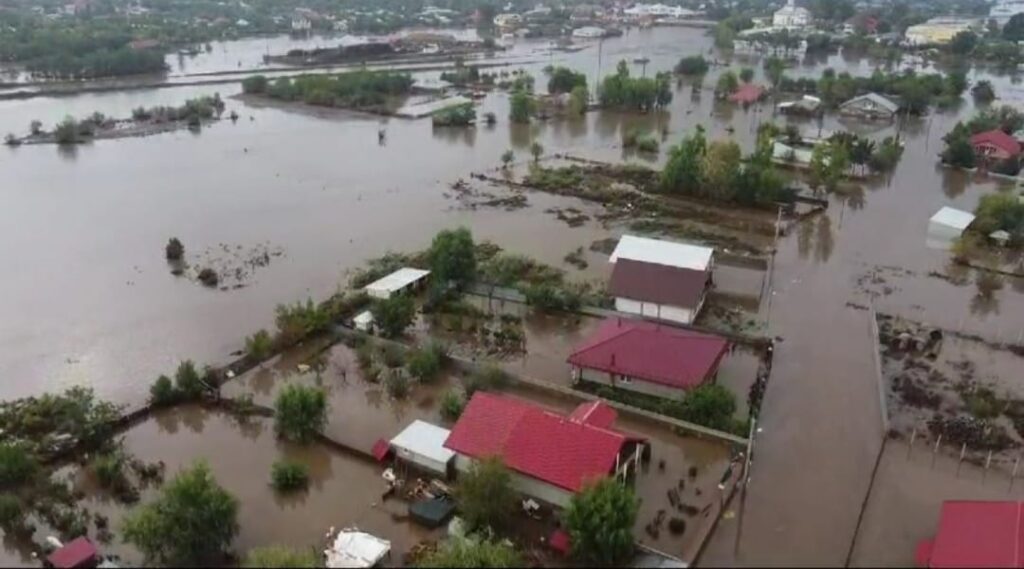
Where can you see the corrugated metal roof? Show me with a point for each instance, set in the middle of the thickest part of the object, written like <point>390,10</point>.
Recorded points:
<point>874,98</point>
<point>669,253</point>
<point>396,281</point>
<point>660,284</point>
<point>424,439</point>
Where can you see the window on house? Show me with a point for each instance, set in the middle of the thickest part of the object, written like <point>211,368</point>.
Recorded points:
<point>625,380</point>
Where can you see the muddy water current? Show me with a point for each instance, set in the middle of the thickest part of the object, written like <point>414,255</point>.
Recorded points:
<point>87,297</point>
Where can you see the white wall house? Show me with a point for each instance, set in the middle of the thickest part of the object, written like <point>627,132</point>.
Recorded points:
<point>525,485</point>
<point>422,445</point>
<point>791,16</point>
<point>660,279</point>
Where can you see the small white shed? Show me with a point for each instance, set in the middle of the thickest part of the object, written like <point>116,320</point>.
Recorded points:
<point>946,226</point>
<point>364,321</point>
<point>422,444</point>
<point>398,281</point>
<point>353,548</point>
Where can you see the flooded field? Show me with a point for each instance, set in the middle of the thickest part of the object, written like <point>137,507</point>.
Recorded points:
<point>90,299</point>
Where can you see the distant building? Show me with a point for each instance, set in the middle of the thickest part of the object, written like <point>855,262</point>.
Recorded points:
<point>508,21</point>
<point>648,358</point>
<point>946,226</point>
<point>551,456</point>
<point>975,534</point>
<point>403,280</point>
<point>300,23</point>
<point>791,16</point>
<point>589,32</point>
<point>995,146</point>
<point>657,11</point>
<point>806,105</point>
<point>747,94</point>
<point>937,31</point>
<point>870,106</point>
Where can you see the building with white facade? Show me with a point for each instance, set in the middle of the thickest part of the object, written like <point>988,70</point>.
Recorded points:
<point>791,16</point>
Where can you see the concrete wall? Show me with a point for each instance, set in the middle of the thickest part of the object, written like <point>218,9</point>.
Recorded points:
<point>525,485</point>
<point>421,461</point>
<point>652,310</point>
<point>645,387</point>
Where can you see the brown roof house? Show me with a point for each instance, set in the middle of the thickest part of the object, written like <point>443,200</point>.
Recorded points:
<point>660,279</point>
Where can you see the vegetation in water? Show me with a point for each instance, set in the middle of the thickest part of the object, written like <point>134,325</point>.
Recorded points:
<point>361,90</point>
<point>192,522</point>
<point>300,413</point>
<point>452,404</point>
<point>692,65</point>
<point>425,363</point>
<point>456,115</point>
<point>620,91</point>
<point>485,495</point>
<point>393,315</point>
<point>281,556</point>
<point>1000,212</point>
<point>565,80</point>
<point>289,476</point>
<point>455,552</point>
<point>600,521</point>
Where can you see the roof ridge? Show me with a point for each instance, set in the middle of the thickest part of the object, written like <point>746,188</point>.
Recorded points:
<point>630,328</point>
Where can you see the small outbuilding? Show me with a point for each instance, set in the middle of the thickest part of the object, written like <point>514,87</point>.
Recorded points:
<point>353,548</point>
<point>364,321</point>
<point>402,280</point>
<point>946,226</point>
<point>806,106</point>
<point>869,106</point>
<point>747,94</point>
<point>1000,237</point>
<point>422,445</point>
<point>660,279</point>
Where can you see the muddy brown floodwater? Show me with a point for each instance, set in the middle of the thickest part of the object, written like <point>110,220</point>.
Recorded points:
<point>88,299</point>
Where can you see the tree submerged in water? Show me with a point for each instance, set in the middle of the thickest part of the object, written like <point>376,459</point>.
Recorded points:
<point>174,250</point>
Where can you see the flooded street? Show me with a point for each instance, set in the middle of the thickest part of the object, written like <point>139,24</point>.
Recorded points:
<point>89,299</point>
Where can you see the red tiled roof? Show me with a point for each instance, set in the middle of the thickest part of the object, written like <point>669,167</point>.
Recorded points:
<point>747,93</point>
<point>976,534</point>
<point>999,139</point>
<point>660,284</point>
<point>535,442</point>
<point>594,413</point>
<point>80,552</point>
<point>651,352</point>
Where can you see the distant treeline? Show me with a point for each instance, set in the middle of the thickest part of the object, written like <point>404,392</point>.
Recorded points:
<point>358,89</point>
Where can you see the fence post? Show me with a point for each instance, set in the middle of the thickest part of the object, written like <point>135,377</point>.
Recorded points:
<point>988,461</point>
<point>935,450</point>
<point>960,462</point>
<point>1013,474</point>
<point>913,437</point>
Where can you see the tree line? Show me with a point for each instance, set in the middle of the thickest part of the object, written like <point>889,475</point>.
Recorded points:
<point>356,89</point>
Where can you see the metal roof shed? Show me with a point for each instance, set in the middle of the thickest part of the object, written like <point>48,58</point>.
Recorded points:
<point>660,252</point>
<point>395,282</point>
<point>946,226</point>
<point>353,548</point>
<point>422,444</point>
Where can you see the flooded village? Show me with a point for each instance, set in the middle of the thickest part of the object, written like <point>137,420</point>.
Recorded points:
<point>612,284</point>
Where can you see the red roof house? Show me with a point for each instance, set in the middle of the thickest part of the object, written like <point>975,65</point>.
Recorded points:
<point>747,94</point>
<point>976,534</point>
<point>76,554</point>
<point>552,455</point>
<point>995,145</point>
<point>647,357</point>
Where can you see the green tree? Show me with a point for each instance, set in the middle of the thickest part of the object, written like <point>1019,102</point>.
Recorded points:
<point>485,495</point>
<point>564,80</point>
<point>259,345</point>
<point>956,83</point>
<point>579,99</point>
<point>1000,211</point>
<point>829,163</point>
<point>1014,28</point>
<point>774,70</point>
<point>983,92</point>
<point>425,363</point>
<point>271,556</point>
<point>747,74</point>
<point>683,173</point>
<point>710,405</point>
<point>300,413</point>
<point>727,83</point>
<point>692,65</point>
<point>393,315</point>
<point>192,522</point>
<point>254,84</point>
<point>456,552</point>
<point>453,257</point>
<point>958,151</point>
<point>720,168</point>
<point>507,158</point>
<point>68,131</point>
<point>600,520</point>
<point>963,43</point>
<point>163,392</point>
<point>35,127</point>
<point>521,107</point>
<point>174,250</point>
<point>187,381</point>
<point>452,405</point>
<point>17,466</point>
<point>861,152</point>
<point>288,476</point>
<point>537,151</point>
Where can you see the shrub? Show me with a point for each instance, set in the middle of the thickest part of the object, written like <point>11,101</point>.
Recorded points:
<point>109,469</point>
<point>258,345</point>
<point>692,65</point>
<point>209,277</point>
<point>174,250</point>
<point>254,84</point>
<point>452,405</point>
<point>710,405</point>
<point>487,378</point>
<point>456,115</point>
<point>300,413</point>
<point>467,553</point>
<point>485,495</point>
<point>193,522</point>
<point>288,476</point>
<point>364,355</point>
<point>187,381</point>
<point>297,320</point>
<point>17,466</point>
<point>392,355</point>
<point>600,520</point>
<point>163,392</point>
<point>425,363</point>
<point>490,118</point>
<point>68,132</point>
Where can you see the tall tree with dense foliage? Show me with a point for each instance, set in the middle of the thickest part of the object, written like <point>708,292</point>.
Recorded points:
<point>453,257</point>
<point>683,173</point>
<point>982,91</point>
<point>192,522</point>
<point>774,70</point>
<point>521,106</point>
<point>300,413</point>
<point>600,520</point>
<point>958,151</point>
<point>564,80</point>
<point>579,100</point>
<point>963,43</point>
<point>484,494</point>
<point>620,91</point>
<point>692,65</point>
<point>727,83</point>
<point>393,315</point>
<point>720,168</point>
